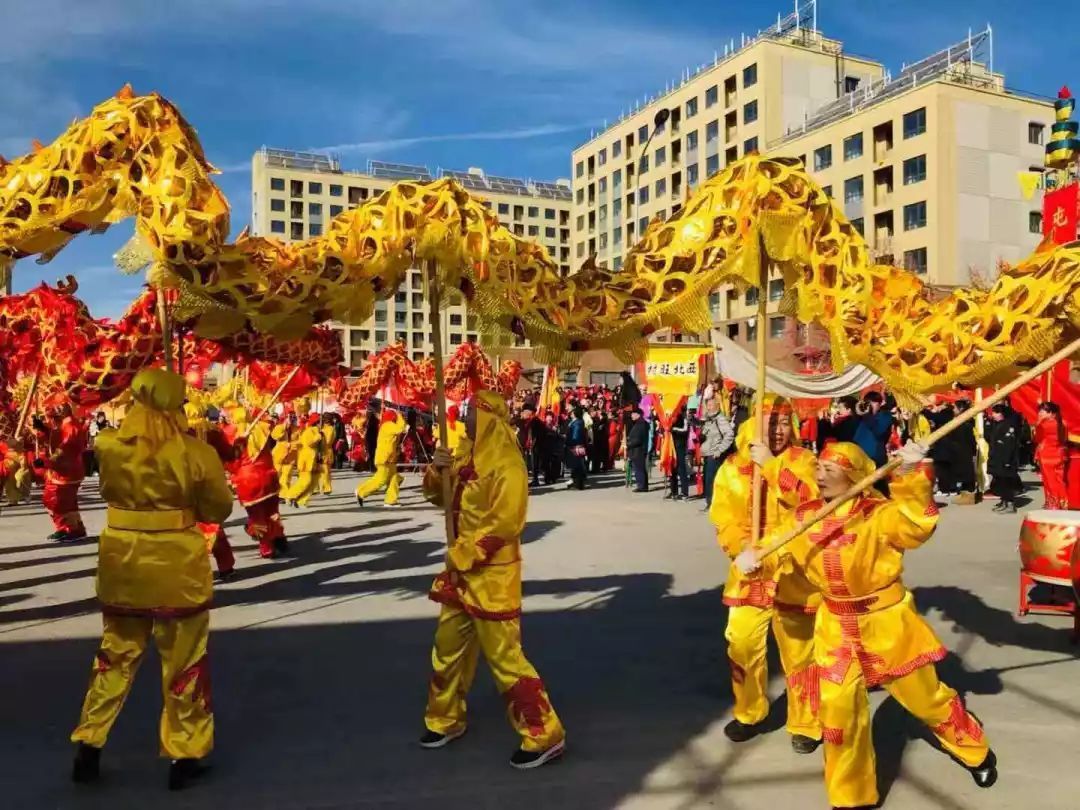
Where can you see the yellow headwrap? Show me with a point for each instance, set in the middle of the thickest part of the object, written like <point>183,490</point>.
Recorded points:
<point>156,414</point>
<point>850,458</point>
<point>495,443</point>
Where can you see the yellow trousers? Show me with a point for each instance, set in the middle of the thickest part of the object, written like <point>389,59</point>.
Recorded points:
<point>187,719</point>
<point>302,489</point>
<point>386,475</point>
<point>748,635</point>
<point>285,477</point>
<point>459,639</point>
<point>850,766</point>
<point>17,486</point>
<point>326,487</point>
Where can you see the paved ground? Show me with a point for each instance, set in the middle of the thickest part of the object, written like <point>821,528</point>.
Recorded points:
<point>320,670</point>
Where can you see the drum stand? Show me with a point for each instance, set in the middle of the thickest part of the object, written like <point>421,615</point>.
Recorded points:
<point>1027,581</point>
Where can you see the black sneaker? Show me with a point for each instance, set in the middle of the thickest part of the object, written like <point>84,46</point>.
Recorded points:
<point>527,760</point>
<point>182,772</point>
<point>281,546</point>
<point>225,576</point>
<point>87,765</point>
<point>985,775</point>
<point>999,506</point>
<point>359,501</point>
<point>433,739</point>
<point>741,732</point>
<point>57,535</point>
<point>1009,509</point>
<point>801,744</point>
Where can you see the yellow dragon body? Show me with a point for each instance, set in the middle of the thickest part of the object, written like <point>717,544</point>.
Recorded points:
<point>135,156</point>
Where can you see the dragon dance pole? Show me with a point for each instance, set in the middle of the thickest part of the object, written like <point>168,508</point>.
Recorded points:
<point>166,329</point>
<point>431,268</point>
<point>25,409</point>
<point>934,437</point>
<point>760,427</point>
<point>272,402</point>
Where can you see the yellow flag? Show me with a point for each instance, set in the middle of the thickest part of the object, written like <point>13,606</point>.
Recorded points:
<point>1029,183</point>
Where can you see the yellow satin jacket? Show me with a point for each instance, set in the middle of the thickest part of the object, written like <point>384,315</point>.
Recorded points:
<point>386,448</point>
<point>284,452</point>
<point>483,573</point>
<point>856,559</point>
<point>152,557</point>
<point>307,454</point>
<point>789,481</point>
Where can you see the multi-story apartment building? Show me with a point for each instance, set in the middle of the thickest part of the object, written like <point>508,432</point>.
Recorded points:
<point>924,163</point>
<point>295,194</point>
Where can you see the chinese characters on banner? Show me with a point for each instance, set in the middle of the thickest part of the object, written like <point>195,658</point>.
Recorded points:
<point>1060,214</point>
<point>674,371</point>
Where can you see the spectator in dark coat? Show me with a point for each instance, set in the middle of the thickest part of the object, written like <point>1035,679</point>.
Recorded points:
<point>1003,463</point>
<point>637,444</point>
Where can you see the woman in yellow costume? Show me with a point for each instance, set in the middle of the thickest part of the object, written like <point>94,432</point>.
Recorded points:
<point>217,541</point>
<point>153,577</point>
<point>868,632</point>
<point>326,456</point>
<point>480,590</point>
<point>307,463</point>
<point>284,452</point>
<point>768,598</point>
<point>391,429</point>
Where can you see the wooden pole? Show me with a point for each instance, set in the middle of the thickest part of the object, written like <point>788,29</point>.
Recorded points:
<point>431,268</point>
<point>760,426</point>
<point>826,510</point>
<point>25,409</point>
<point>272,402</point>
<point>166,329</point>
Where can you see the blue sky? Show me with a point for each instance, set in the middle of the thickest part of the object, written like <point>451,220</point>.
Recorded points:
<point>509,85</point>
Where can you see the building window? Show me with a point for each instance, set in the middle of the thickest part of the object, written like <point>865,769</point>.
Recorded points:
<point>314,209</point>
<point>335,190</point>
<point>455,319</point>
<point>776,329</point>
<point>751,331</point>
<point>1036,133</point>
<point>335,210</point>
<point>776,289</point>
<point>601,157</point>
<point>692,175</point>
<point>853,146</point>
<point>712,165</point>
<point>617,235</point>
<point>915,122</point>
<point>691,141</point>
<point>915,260</point>
<point>580,249</point>
<point>534,230</point>
<point>822,158</point>
<point>549,233</point>
<point>712,132</point>
<point>749,76</point>
<point>914,170</point>
<point>504,209</point>
<point>455,340</point>
<point>277,205</point>
<point>851,84</point>
<point>733,331</point>
<point>315,229</point>
<point>660,157</point>
<point>643,135</point>
<point>661,188</point>
<point>853,189</point>
<point>827,191</point>
<point>915,216</point>
<point>616,149</point>
<point>749,112</point>
<point>691,107</point>
<point>277,183</point>
<point>534,212</point>
<point>643,225</point>
<point>616,207</point>
<point>549,213</point>
<point>1035,221</point>
<point>580,196</point>
<point>749,145</point>
<point>314,188</point>
<point>579,170</point>
<point>712,95</point>
<point>858,225</point>
<point>380,336</point>
<point>643,195</point>
<point>751,297</point>
<point>581,222</point>
<point>277,226</point>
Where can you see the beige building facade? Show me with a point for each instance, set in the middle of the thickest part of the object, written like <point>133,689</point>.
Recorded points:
<point>924,163</point>
<point>296,194</point>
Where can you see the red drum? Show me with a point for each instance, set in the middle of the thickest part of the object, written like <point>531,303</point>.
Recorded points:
<point>1047,544</point>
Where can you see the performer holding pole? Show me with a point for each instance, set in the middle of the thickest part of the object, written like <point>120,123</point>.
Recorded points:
<point>153,576</point>
<point>868,632</point>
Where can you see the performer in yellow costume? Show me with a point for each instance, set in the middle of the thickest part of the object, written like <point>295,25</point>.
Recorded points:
<point>386,455</point>
<point>326,455</point>
<point>768,598</point>
<point>284,452</point>
<point>480,590</point>
<point>868,632</point>
<point>307,462</point>
<point>153,577</point>
<point>18,478</point>
<point>455,429</point>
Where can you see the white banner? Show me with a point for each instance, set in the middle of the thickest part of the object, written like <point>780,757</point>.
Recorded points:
<point>736,363</point>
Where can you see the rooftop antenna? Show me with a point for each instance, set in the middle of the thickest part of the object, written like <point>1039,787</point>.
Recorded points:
<point>990,59</point>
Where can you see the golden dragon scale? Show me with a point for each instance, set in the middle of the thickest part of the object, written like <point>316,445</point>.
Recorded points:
<point>135,156</point>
